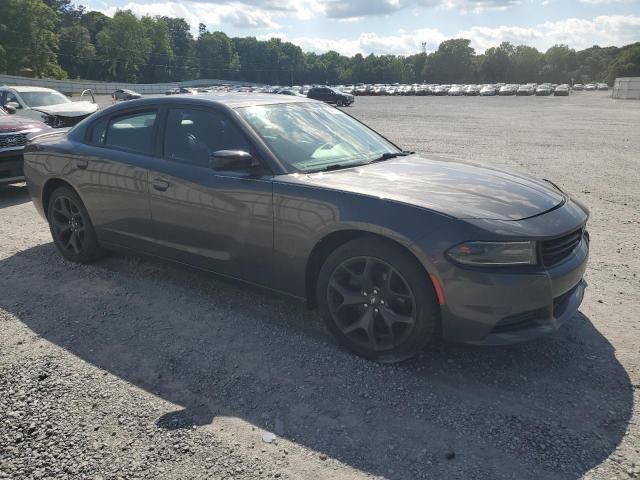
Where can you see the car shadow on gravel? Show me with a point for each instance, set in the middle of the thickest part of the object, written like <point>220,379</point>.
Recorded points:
<point>11,195</point>
<point>553,408</point>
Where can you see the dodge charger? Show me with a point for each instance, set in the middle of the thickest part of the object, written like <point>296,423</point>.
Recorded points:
<point>394,248</point>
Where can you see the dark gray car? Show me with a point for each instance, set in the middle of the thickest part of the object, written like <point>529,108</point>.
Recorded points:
<point>288,193</point>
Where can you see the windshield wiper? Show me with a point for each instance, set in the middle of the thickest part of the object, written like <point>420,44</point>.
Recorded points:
<point>337,166</point>
<point>390,155</point>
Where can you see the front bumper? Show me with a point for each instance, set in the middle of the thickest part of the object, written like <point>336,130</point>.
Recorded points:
<point>499,308</point>
<point>11,167</point>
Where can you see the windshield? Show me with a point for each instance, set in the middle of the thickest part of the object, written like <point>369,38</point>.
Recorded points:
<point>43,99</point>
<point>309,136</point>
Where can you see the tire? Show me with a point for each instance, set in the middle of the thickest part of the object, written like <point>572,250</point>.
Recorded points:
<point>67,218</point>
<point>399,294</point>
<point>339,102</point>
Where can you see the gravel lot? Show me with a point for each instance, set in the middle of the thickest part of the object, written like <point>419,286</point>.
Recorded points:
<point>134,369</point>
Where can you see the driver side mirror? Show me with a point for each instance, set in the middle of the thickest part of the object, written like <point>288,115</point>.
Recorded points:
<point>231,160</point>
<point>11,107</point>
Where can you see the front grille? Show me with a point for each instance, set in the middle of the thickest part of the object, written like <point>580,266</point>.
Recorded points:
<point>58,121</point>
<point>556,250</point>
<point>13,140</point>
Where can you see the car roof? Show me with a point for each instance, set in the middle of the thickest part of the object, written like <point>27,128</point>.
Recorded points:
<point>228,99</point>
<point>26,88</point>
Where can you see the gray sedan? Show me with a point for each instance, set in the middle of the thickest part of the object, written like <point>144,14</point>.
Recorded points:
<point>397,250</point>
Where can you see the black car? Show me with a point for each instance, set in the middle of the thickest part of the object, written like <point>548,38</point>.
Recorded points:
<point>331,95</point>
<point>394,248</point>
<point>125,94</point>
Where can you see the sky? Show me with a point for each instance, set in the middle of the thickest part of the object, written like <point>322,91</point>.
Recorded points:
<point>401,26</point>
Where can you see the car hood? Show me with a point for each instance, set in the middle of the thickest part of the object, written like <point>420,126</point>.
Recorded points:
<point>458,189</point>
<point>13,123</point>
<point>72,109</point>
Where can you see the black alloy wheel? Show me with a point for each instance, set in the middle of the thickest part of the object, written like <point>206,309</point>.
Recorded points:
<point>71,227</point>
<point>377,300</point>
<point>371,303</point>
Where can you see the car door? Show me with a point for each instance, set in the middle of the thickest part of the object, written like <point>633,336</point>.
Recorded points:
<point>216,220</point>
<point>109,170</point>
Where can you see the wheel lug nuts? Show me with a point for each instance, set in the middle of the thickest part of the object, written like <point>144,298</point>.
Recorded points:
<point>382,302</point>
<point>375,310</point>
<point>366,305</point>
<point>365,294</point>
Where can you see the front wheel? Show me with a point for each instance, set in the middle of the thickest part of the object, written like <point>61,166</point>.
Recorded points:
<point>71,227</point>
<point>377,300</point>
<point>339,103</point>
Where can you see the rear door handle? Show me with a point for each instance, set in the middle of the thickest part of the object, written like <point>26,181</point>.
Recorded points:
<point>82,164</point>
<point>160,184</point>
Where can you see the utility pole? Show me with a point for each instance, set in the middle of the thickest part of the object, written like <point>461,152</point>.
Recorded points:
<point>424,47</point>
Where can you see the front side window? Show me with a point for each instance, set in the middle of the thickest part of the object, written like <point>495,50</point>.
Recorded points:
<point>12,98</point>
<point>192,135</point>
<point>310,137</point>
<point>132,132</point>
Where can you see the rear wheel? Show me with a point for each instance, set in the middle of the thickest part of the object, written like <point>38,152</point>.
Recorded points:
<point>377,300</point>
<point>71,227</point>
<point>339,103</point>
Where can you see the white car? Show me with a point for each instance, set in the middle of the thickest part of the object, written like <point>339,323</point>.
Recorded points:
<point>46,105</point>
<point>488,91</point>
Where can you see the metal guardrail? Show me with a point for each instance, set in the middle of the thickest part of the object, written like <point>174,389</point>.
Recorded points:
<point>102,88</point>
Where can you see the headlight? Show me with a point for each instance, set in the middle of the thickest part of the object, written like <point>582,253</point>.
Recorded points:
<point>494,253</point>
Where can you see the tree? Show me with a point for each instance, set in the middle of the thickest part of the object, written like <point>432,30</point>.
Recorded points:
<point>498,63</point>
<point>452,62</point>
<point>559,64</point>
<point>124,46</point>
<point>76,50</point>
<point>29,31</point>
<point>214,52</point>
<point>182,45</point>
<point>627,64</point>
<point>160,54</point>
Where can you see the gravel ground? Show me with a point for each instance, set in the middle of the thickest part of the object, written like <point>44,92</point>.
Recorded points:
<point>133,369</point>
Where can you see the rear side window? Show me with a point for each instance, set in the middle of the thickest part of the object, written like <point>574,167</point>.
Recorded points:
<point>131,132</point>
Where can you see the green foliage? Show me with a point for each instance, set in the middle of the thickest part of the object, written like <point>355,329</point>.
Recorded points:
<point>124,46</point>
<point>55,38</point>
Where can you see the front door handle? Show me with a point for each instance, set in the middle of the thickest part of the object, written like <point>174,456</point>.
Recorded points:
<point>160,184</point>
<point>82,164</point>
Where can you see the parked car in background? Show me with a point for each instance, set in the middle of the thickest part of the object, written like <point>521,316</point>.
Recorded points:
<point>472,90</point>
<point>508,90</point>
<point>46,105</point>
<point>525,90</point>
<point>331,95</point>
<point>290,91</point>
<point>602,87</point>
<point>590,87</point>
<point>488,91</point>
<point>181,90</point>
<point>544,90</point>
<point>124,94</point>
<point>561,91</point>
<point>578,87</point>
<point>456,91</point>
<point>14,132</point>
<point>441,90</point>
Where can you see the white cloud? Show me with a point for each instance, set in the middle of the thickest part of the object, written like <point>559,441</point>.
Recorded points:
<point>238,15</point>
<point>607,2</point>
<point>577,33</point>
